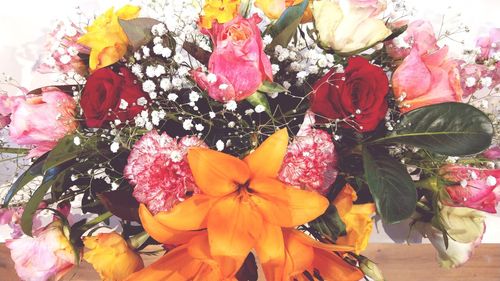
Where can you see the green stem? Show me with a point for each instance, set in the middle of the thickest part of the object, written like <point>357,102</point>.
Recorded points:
<point>12,150</point>
<point>429,184</point>
<point>137,240</point>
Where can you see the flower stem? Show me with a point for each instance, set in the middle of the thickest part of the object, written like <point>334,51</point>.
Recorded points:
<point>13,150</point>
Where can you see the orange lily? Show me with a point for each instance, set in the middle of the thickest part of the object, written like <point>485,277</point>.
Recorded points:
<point>191,261</point>
<point>305,254</point>
<point>357,218</point>
<point>242,204</point>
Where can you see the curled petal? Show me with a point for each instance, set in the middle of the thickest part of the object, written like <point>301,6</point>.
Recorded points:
<point>267,159</point>
<point>188,215</point>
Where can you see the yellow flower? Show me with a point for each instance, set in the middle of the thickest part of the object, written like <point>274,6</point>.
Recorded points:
<point>111,256</point>
<point>106,38</point>
<point>357,218</point>
<point>221,11</point>
<point>242,205</point>
<point>274,8</point>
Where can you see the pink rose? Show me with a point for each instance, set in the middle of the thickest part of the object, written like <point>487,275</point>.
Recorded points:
<point>7,103</point>
<point>42,120</point>
<point>47,255</point>
<point>238,64</point>
<point>489,45</point>
<point>376,6</point>
<point>427,76</point>
<point>310,161</point>
<point>419,34</point>
<point>471,75</point>
<point>471,187</point>
<point>493,153</point>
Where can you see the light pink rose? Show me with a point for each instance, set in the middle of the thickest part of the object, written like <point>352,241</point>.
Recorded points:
<point>426,76</point>
<point>310,162</point>
<point>238,64</point>
<point>489,45</point>
<point>471,187</point>
<point>471,75</point>
<point>46,255</point>
<point>42,120</point>
<point>419,34</point>
<point>376,6</point>
<point>7,103</point>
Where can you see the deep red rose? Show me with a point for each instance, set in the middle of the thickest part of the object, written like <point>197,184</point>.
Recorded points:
<point>360,92</point>
<point>103,94</point>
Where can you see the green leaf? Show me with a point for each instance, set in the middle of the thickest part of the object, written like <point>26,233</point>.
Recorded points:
<point>64,151</point>
<point>245,7</point>
<point>396,32</point>
<point>259,98</point>
<point>138,31</point>
<point>285,27</point>
<point>390,184</point>
<point>35,170</point>
<point>329,225</point>
<point>269,87</point>
<point>454,129</point>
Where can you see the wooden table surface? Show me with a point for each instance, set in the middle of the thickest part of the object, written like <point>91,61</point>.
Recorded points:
<point>398,262</point>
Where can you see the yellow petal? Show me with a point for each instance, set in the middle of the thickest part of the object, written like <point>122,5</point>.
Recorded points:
<point>160,232</point>
<point>216,173</point>
<point>271,8</point>
<point>233,227</point>
<point>128,12</point>
<point>343,201</point>
<point>188,215</point>
<point>284,205</point>
<point>267,159</point>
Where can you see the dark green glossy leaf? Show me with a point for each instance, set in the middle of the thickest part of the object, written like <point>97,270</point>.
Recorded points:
<point>35,170</point>
<point>285,27</point>
<point>329,225</point>
<point>454,129</point>
<point>65,151</point>
<point>138,31</point>
<point>391,186</point>
<point>396,32</point>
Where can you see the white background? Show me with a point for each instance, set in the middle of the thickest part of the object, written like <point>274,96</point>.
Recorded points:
<point>23,24</point>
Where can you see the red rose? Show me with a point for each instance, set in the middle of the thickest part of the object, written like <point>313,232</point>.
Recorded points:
<point>103,94</point>
<point>358,95</point>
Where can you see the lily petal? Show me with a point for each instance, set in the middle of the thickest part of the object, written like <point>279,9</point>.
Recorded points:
<point>216,173</point>
<point>285,205</point>
<point>160,232</point>
<point>267,159</point>
<point>188,215</point>
<point>233,227</point>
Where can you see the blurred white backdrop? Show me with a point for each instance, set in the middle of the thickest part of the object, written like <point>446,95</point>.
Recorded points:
<point>23,24</point>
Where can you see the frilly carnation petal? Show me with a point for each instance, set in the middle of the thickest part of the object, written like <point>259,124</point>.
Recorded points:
<point>159,169</point>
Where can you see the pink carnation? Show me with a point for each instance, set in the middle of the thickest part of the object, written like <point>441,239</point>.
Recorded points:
<point>159,169</point>
<point>310,161</point>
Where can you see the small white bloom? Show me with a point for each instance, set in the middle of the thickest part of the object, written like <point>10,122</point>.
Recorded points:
<point>145,51</point>
<point>177,82</point>
<point>211,114</point>
<point>142,101</point>
<point>176,156</point>
<point>223,86</point>
<point>123,104</point>
<point>275,68</point>
<point>172,97</point>
<point>118,122</point>
<point>231,105</point>
<point>211,78</point>
<point>470,82</point>
<point>165,84</point>
<point>114,147</point>
<point>77,140</point>
<point>187,124</point>
<point>157,40</point>
<point>302,75</point>
<point>166,52</point>
<point>249,111</point>
<point>287,85</point>
<point>199,127</point>
<point>491,181</point>
<point>148,86</point>
<point>194,96</point>
<point>155,118</point>
<point>463,183</point>
<point>231,124</point>
<point>158,48</point>
<point>150,71</point>
<point>267,39</point>
<point>160,70</point>
<point>219,145</point>
<point>65,59</point>
<point>260,108</point>
<point>486,82</point>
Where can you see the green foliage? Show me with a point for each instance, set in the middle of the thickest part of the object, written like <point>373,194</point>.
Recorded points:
<point>286,26</point>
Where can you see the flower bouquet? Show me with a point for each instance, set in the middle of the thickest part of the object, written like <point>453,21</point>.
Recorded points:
<point>243,140</point>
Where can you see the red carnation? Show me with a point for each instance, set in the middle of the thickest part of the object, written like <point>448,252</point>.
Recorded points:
<point>109,96</point>
<point>358,95</point>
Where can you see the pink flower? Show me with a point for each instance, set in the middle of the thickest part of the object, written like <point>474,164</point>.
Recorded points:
<point>493,153</point>
<point>427,76</point>
<point>419,34</point>
<point>62,49</point>
<point>7,103</point>
<point>238,64</point>
<point>489,45</point>
<point>471,187</point>
<point>377,6</point>
<point>42,120</point>
<point>46,255</point>
<point>159,169</point>
<point>471,75</point>
<point>310,162</point>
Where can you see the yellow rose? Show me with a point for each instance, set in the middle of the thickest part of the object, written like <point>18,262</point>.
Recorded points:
<point>348,28</point>
<point>111,256</point>
<point>106,38</point>
<point>221,11</point>
<point>357,218</point>
<point>274,8</point>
